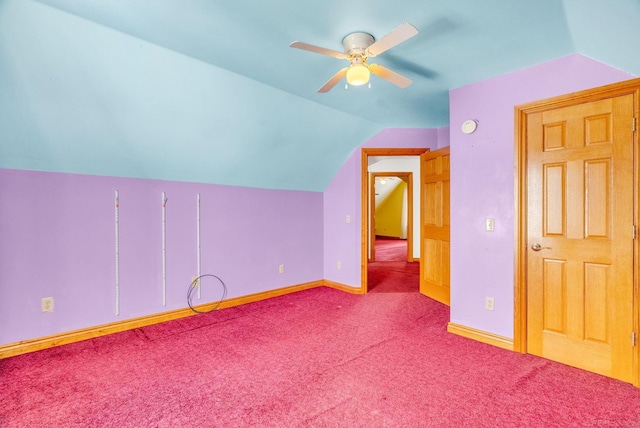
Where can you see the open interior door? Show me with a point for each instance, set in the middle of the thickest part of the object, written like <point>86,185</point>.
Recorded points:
<point>434,225</point>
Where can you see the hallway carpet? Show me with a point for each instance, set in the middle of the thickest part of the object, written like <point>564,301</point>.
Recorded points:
<point>393,277</point>
<point>391,273</point>
<point>316,358</point>
<point>391,249</point>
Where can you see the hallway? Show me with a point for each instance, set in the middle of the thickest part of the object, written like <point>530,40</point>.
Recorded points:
<point>391,273</point>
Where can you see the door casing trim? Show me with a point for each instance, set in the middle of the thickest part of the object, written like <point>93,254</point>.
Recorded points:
<point>364,198</point>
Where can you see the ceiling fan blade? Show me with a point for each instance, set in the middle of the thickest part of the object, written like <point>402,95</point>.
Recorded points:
<point>390,75</point>
<point>333,81</point>
<point>318,49</point>
<point>397,36</point>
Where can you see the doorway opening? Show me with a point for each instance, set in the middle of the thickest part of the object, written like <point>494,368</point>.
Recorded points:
<point>391,213</point>
<point>372,156</point>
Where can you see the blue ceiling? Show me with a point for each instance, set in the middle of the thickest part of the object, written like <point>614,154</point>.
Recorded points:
<point>209,91</point>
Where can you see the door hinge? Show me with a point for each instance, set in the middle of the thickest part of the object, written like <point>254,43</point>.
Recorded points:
<point>634,232</point>
<point>633,339</point>
<point>635,123</point>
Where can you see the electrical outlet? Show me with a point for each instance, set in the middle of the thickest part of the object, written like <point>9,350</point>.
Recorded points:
<point>46,304</point>
<point>488,303</point>
<point>339,265</point>
<point>281,268</point>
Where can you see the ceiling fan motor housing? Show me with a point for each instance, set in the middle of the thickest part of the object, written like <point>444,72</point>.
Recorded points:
<point>357,43</point>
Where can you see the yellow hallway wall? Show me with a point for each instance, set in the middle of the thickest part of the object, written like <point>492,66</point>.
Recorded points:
<point>389,213</point>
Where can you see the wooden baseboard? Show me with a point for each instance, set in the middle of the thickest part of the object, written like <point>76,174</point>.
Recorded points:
<point>481,336</point>
<point>25,346</point>
<point>31,345</point>
<point>343,287</point>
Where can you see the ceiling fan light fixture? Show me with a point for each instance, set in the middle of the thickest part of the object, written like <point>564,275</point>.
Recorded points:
<point>358,47</point>
<point>358,74</point>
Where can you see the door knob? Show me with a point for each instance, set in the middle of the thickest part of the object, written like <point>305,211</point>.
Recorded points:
<point>538,247</point>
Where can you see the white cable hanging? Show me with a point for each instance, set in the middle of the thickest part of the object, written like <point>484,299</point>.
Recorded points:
<point>117,249</point>
<point>198,248</point>
<point>164,249</point>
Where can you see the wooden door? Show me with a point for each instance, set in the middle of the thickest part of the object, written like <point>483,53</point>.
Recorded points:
<point>435,226</point>
<point>580,235</point>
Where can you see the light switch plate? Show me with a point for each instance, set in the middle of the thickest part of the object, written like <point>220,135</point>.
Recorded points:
<point>489,225</point>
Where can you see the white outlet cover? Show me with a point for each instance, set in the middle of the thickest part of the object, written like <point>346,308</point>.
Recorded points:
<point>46,304</point>
<point>489,303</point>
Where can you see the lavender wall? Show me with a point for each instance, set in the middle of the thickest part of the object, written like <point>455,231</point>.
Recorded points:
<point>342,241</point>
<point>482,182</point>
<point>57,240</point>
<point>444,137</point>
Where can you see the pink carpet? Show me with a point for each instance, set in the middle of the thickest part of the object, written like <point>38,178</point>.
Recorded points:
<point>391,273</point>
<point>393,277</point>
<point>391,249</point>
<point>317,358</point>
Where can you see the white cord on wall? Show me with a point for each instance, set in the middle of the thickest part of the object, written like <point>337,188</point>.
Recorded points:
<point>117,255</point>
<point>164,249</point>
<point>198,249</point>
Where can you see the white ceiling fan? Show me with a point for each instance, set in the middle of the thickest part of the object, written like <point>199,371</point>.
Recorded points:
<point>358,47</point>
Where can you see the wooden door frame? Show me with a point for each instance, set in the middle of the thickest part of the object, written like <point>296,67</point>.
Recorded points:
<point>521,245</point>
<point>364,198</point>
<point>372,218</point>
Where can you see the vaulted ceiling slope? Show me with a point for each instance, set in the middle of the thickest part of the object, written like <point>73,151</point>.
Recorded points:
<point>209,91</point>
